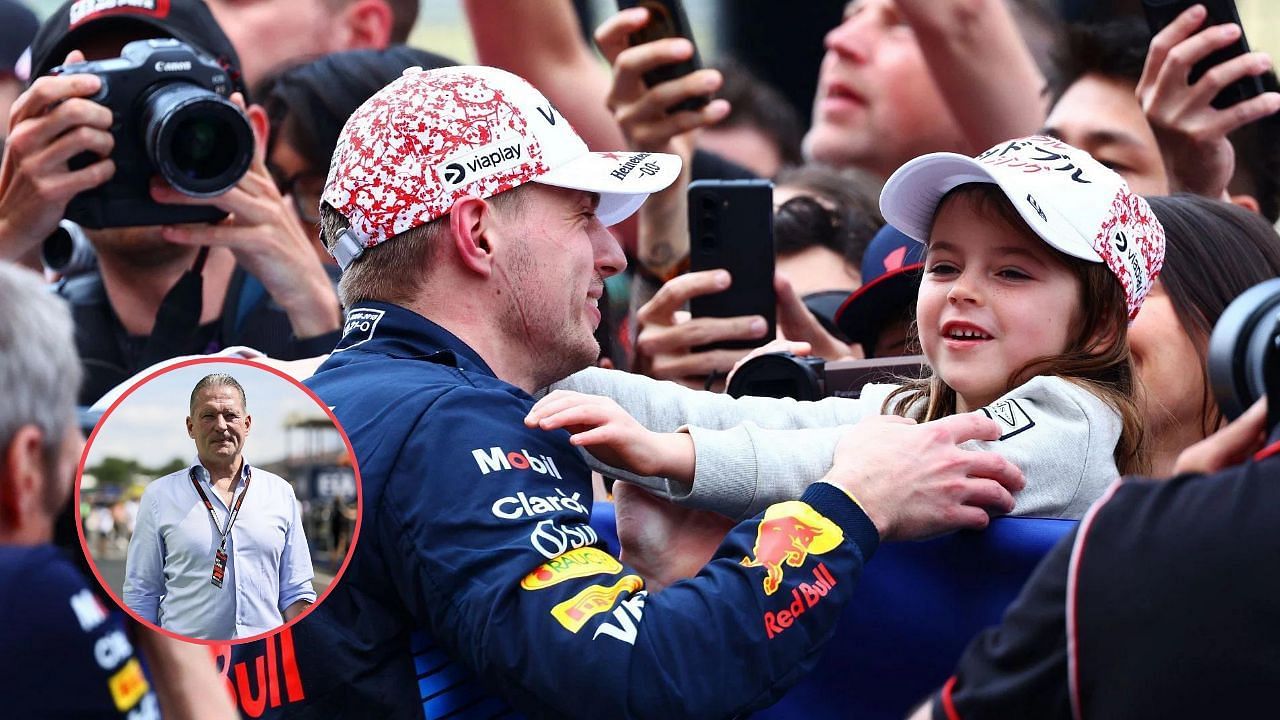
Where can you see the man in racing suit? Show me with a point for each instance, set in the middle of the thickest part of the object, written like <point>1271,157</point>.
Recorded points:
<point>475,528</point>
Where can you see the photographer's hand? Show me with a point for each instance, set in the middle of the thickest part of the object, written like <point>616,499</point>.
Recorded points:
<point>664,347</point>
<point>1231,445</point>
<point>264,233</point>
<point>601,426</point>
<point>51,122</point>
<point>1191,132</point>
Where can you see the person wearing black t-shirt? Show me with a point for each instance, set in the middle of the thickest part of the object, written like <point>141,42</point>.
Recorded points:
<point>1161,604</point>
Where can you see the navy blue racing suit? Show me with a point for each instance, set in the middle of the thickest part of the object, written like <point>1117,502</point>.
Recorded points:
<point>475,534</point>
<point>66,655</point>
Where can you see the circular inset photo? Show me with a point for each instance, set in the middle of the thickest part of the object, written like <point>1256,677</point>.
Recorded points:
<point>218,500</point>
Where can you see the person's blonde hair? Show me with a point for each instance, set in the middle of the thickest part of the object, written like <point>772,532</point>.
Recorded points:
<point>1096,358</point>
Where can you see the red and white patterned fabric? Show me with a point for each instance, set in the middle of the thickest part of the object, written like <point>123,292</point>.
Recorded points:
<point>1074,203</point>
<point>432,137</point>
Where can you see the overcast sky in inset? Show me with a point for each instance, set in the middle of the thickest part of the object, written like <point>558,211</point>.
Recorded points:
<point>150,425</point>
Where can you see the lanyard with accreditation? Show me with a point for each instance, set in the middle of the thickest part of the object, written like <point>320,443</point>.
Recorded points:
<point>220,557</point>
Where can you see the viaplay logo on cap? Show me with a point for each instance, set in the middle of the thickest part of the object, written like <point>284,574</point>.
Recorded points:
<point>497,157</point>
<point>85,10</point>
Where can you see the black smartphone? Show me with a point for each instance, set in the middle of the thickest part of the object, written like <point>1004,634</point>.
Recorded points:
<point>667,19</point>
<point>731,227</point>
<point>1162,12</point>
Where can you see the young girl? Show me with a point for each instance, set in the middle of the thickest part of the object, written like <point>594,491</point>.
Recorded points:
<point>1037,258</point>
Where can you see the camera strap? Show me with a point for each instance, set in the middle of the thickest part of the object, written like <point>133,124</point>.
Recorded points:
<point>178,318</point>
<point>220,556</point>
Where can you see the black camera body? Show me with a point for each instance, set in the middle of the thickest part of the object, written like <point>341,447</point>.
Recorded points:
<point>1244,353</point>
<point>172,117</point>
<point>783,375</point>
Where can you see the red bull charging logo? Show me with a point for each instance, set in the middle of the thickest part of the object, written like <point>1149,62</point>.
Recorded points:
<point>788,534</point>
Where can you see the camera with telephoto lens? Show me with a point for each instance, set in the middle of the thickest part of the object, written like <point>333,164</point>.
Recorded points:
<point>171,117</point>
<point>1244,353</point>
<point>783,375</point>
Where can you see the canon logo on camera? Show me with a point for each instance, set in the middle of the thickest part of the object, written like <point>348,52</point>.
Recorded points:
<point>176,66</point>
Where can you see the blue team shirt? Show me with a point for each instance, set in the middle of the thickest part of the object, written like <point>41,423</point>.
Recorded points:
<point>477,586</point>
<point>65,654</point>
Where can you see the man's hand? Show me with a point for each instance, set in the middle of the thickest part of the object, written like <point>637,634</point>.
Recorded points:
<point>1191,132</point>
<point>265,235</point>
<point>50,123</point>
<point>1229,446</point>
<point>914,482</point>
<point>641,111</point>
<point>664,347</point>
<point>662,540</point>
<point>606,430</point>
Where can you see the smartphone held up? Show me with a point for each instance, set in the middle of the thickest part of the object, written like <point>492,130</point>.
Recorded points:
<point>667,19</point>
<point>1160,13</point>
<point>731,227</point>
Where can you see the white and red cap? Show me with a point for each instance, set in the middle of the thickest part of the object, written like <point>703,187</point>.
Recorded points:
<point>432,137</point>
<point>1074,203</point>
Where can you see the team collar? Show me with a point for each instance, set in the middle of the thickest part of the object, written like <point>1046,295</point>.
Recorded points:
<point>388,329</point>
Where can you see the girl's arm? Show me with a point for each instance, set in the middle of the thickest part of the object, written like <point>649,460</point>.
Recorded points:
<point>1064,439</point>
<point>708,451</point>
<point>663,406</point>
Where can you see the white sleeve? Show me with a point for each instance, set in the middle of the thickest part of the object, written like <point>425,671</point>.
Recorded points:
<point>1063,437</point>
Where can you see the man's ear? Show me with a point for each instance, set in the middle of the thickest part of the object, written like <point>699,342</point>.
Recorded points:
<point>1248,202</point>
<point>473,225</point>
<point>368,24</point>
<point>261,128</point>
<point>248,424</point>
<point>21,478</point>
<point>191,428</point>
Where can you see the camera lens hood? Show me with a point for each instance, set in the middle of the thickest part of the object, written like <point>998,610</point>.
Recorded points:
<point>1239,346</point>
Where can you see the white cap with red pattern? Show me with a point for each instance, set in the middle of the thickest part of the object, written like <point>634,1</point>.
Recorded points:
<point>1074,203</point>
<point>432,137</point>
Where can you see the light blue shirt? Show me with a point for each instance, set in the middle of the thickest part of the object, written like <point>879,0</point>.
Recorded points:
<point>170,561</point>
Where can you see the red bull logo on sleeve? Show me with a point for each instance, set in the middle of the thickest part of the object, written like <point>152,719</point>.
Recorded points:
<point>789,533</point>
<point>803,596</point>
<point>495,459</point>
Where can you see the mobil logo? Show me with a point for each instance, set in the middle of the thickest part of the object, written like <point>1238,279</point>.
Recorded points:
<point>495,458</point>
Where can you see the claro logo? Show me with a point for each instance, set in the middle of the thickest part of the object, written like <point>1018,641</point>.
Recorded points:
<point>495,459</point>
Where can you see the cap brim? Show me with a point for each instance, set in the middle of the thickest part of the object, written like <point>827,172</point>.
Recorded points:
<point>911,195</point>
<point>864,313</point>
<point>623,179</point>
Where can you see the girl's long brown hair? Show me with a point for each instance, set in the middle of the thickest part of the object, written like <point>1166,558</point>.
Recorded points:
<point>1096,358</point>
